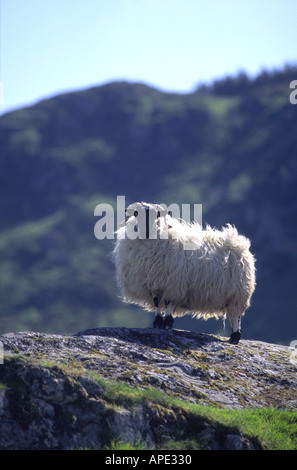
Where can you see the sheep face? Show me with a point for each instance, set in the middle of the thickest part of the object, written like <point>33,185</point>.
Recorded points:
<point>142,220</point>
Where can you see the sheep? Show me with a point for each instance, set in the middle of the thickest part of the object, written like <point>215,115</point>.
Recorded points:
<point>167,264</point>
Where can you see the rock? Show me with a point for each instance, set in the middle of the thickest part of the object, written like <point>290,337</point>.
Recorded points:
<point>237,442</point>
<point>54,391</point>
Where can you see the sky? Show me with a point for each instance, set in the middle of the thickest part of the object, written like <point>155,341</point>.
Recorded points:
<point>55,46</point>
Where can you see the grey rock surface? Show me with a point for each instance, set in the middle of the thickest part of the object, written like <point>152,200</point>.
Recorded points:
<point>52,395</point>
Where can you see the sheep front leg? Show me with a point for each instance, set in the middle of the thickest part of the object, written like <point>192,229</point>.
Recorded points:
<point>236,329</point>
<point>158,322</point>
<point>169,320</point>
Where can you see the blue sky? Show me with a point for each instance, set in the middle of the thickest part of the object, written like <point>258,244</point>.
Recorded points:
<point>53,46</point>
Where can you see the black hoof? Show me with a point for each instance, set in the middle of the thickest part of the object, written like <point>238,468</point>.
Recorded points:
<point>168,322</point>
<point>158,322</point>
<point>235,337</point>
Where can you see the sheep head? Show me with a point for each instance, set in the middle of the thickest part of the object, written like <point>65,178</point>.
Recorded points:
<point>142,218</point>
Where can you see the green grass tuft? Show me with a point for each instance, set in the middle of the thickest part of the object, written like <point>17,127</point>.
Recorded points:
<point>272,428</point>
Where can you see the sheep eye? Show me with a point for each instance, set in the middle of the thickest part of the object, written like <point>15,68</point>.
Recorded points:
<point>135,213</point>
<point>158,214</point>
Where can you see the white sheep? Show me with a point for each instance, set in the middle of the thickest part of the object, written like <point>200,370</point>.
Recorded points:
<point>167,264</point>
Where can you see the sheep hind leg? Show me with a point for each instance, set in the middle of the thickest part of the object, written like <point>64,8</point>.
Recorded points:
<point>158,322</point>
<point>236,329</point>
<point>169,320</point>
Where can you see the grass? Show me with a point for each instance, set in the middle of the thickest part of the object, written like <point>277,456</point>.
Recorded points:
<point>272,428</point>
<point>121,394</point>
<point>117,444</point>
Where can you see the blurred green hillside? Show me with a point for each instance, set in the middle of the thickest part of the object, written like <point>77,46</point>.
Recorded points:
<point>230,146</point>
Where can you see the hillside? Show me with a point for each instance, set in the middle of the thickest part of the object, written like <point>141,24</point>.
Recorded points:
<point>230,146</point>
<point>113,388</point>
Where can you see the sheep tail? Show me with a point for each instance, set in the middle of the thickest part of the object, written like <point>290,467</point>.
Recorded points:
<point>233,240</point>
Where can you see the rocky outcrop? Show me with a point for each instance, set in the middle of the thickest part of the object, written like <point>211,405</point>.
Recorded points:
<point>109,384</point>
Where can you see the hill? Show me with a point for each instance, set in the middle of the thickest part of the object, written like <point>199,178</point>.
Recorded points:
<point>113,388</point>
<point>230,146</point>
